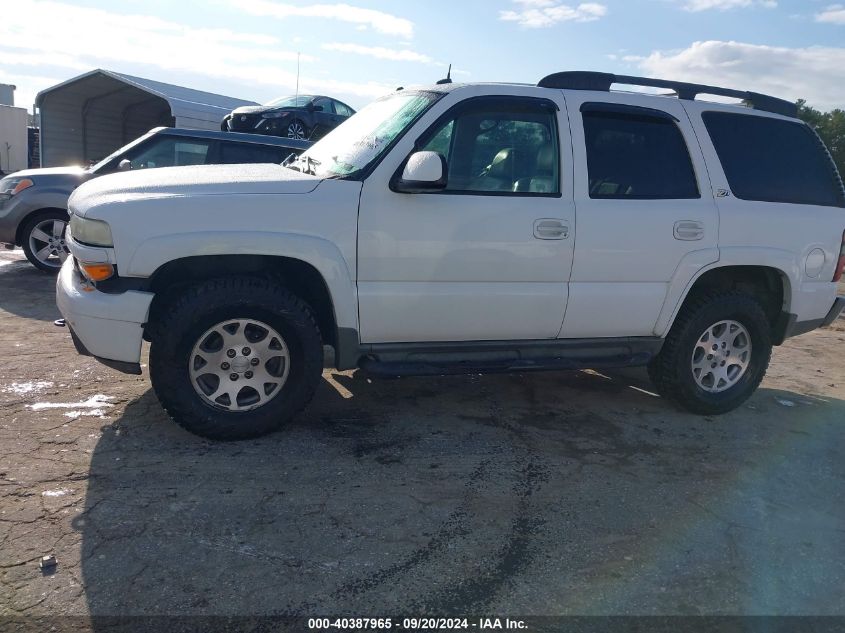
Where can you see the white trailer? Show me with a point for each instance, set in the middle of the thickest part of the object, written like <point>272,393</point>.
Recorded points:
<point>13,139</point>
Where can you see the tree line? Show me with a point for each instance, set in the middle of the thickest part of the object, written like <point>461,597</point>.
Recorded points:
<point>831,128</point>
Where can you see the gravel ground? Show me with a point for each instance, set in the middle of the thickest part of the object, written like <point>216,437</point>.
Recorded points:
<point>557,493</point>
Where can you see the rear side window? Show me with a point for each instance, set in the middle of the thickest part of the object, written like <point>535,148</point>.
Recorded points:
<point>773,160</point>
<point>342,109</point>
<point>632,156</point>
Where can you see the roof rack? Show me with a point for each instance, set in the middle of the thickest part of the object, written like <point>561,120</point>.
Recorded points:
<point>585,80</point>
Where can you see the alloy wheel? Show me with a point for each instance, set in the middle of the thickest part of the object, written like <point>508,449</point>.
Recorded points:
<point>296,130</point>
<point>47,242</point>
<point>721,356</point>
<point>239,365</point>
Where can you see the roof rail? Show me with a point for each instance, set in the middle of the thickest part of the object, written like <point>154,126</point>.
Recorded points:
<point>585,80</point>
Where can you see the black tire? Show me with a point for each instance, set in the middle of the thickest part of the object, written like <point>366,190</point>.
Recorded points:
<point>671,370</point>
<point>29,226</point>
<point>180,324</point>
<point>306,133</point>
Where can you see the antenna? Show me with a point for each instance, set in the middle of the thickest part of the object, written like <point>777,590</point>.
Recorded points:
<point>448,78</point>
<point>296,98</point>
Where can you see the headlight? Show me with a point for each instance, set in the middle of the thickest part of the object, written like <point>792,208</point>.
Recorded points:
<point>88,231</point>
<point>11,186</point>
<point>274,115</point>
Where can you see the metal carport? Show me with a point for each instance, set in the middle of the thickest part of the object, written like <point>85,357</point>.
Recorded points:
<point>88,117</point>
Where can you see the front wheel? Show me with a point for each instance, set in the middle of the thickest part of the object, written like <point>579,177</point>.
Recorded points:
<point>235,358</point>
<point>43,240</point>
<point>297,130</point>
<point>716,353</point>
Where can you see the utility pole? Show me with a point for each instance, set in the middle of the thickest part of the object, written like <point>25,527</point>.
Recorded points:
<point>296,100</point>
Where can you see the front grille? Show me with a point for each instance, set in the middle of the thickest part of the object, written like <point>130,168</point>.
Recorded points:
<point>244,122</point>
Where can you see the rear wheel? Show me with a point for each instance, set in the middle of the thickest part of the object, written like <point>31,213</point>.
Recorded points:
<point>43,240</point>
<point>716,353</point>
<point>235,358</point>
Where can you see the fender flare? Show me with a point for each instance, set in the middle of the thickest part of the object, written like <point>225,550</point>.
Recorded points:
<point>320,253</point>
<point>697,263</point>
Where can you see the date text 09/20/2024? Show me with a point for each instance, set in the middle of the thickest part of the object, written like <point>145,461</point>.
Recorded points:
<point>416,623</point>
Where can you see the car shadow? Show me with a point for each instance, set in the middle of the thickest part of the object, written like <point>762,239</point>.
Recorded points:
<point>556,493</point>
<point>23,289</point>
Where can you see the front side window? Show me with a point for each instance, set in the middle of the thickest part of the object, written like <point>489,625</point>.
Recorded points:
<point>235,153</point>
<point>325,104</point>
<point>773,160</point>
<point>171,152</point>
<point>355,145</point>
<point>633,156</point>
<point>499,145</point>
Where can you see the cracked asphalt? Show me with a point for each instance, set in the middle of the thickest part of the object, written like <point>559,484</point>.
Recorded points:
<point>537,494</point>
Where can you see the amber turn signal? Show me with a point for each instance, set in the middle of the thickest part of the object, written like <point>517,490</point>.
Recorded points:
<point>24,183</point>
<point>97,272</point>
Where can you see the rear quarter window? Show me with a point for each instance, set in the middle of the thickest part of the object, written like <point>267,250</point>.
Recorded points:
<point>773,160</point>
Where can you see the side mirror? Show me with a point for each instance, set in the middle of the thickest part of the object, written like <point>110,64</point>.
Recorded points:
<point>424,171</point>
<point>124,165</point>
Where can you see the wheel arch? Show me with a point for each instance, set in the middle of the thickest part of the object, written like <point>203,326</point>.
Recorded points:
<point>770,285</point>
<point>301,277</point>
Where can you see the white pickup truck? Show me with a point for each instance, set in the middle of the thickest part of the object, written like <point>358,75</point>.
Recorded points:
<point>474,227</point>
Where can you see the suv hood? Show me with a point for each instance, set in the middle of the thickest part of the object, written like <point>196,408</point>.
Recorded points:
<point>264,108</point>
<point>198,180</point>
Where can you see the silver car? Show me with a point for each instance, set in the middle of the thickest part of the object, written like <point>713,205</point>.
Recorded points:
<point>33,202</point>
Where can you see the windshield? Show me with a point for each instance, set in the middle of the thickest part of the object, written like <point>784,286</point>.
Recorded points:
<point>290,102</point>
<point>363,138</point>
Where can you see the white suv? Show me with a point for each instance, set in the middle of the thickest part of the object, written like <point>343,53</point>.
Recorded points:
<point>476,227</point>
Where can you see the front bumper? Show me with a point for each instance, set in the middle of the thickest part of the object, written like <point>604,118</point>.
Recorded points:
<point>106,326</point>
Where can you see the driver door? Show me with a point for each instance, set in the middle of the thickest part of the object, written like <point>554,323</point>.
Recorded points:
<point>475,261</point>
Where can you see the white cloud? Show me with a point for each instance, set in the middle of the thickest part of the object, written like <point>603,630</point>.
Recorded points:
<point>727,5</point>
<point>36,35</point>
<point>377,20</point>
<point>834,14</point>
<point>379,52</point>
<point>813,73</point>
<point>535,14</point>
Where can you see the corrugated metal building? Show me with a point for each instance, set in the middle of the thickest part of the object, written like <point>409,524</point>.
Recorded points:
<point>88,117</point>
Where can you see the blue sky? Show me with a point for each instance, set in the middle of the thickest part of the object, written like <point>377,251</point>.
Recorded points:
<point>358,49</point>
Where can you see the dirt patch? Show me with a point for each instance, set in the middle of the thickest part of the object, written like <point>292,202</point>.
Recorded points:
<point>556,493</point>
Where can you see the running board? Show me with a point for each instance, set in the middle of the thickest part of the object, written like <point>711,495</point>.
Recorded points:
<point>485,357</point>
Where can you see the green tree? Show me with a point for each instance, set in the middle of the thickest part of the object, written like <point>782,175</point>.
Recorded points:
<point>831,128</point>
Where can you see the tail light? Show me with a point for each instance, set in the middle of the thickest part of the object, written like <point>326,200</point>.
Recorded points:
<point>840,265</point>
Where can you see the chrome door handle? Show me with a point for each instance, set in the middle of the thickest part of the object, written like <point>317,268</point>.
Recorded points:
<point>550,229</point>
<point>688,230</point>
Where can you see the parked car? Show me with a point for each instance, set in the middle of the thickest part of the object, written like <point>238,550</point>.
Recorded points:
<point>33,202</point>
<point>469,228</point>
<point>303,117</point>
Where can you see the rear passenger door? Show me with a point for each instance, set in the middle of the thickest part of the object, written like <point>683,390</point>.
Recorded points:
<point>645,211</point>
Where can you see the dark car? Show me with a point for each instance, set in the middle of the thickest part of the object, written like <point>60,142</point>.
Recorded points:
<point>33,201</point>
<point>303,117</point>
